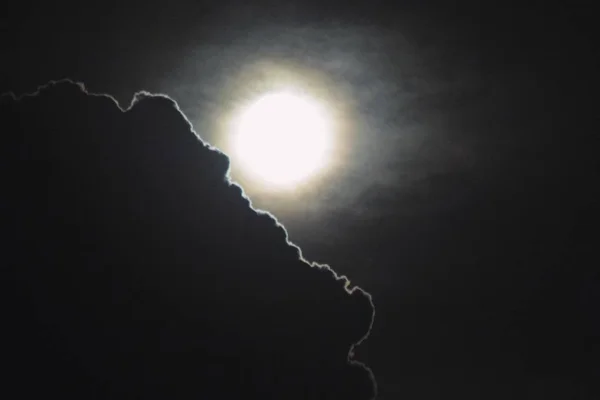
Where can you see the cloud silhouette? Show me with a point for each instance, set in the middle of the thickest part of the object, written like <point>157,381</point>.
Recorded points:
<point>133,267</point>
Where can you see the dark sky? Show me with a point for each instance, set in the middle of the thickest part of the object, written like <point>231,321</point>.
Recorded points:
<point>466,200</point>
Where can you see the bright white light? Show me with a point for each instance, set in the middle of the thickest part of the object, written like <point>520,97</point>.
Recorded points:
<point>283,138</point>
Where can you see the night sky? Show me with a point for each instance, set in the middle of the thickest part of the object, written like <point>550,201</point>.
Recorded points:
<point>463,204</point>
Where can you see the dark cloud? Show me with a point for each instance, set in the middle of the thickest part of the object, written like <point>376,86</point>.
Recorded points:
<point>133,268</point>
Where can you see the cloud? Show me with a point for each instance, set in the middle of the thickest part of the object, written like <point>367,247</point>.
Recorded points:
<point>134,268</point>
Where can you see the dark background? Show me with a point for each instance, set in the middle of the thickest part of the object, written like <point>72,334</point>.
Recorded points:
<point>468,208</point>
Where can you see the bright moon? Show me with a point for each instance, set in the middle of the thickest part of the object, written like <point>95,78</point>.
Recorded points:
<point>282,138</point>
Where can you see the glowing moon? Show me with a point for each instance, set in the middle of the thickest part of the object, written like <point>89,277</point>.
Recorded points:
<point>283,138</point>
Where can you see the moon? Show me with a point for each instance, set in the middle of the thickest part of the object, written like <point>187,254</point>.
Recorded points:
<point>283,138</point>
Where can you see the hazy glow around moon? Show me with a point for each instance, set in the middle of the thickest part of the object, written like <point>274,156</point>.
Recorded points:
<point>282,138</point>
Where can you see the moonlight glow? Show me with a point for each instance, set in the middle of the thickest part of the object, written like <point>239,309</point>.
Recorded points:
<point>282,138</point>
